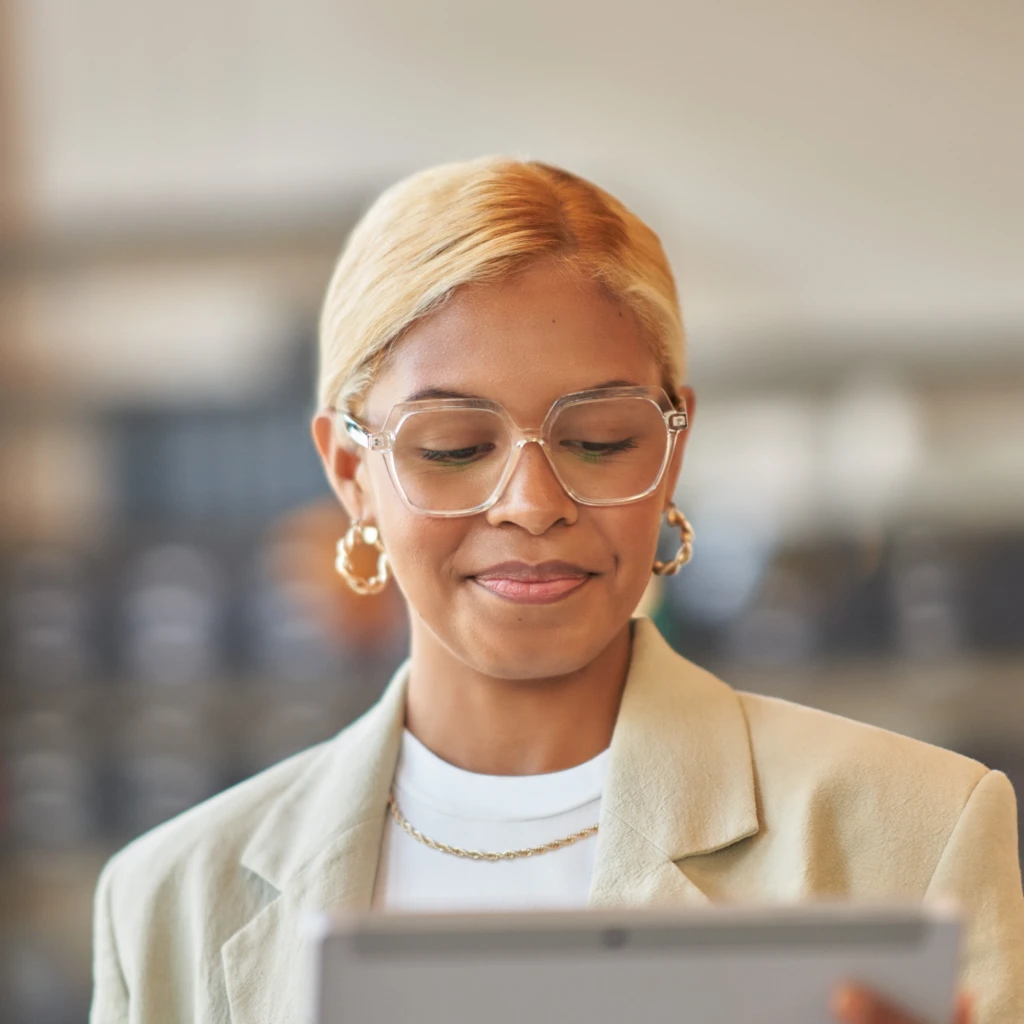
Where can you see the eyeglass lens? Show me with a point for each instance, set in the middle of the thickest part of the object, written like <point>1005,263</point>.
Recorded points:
<point>603,450</point>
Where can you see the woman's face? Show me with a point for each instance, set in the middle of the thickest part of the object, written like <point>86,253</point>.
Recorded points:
<point>523,342</point>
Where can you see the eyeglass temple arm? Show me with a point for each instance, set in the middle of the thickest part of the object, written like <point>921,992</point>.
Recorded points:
<point>362,436</point>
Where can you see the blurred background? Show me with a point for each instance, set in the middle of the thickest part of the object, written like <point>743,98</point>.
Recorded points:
<point>839,188</point>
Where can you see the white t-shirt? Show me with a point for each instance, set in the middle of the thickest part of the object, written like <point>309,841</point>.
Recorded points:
<point>487,813</point>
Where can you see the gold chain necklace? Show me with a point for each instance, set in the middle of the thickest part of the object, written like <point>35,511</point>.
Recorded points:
<point>457,851</point>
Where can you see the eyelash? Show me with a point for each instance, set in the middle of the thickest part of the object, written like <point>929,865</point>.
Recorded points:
<point>589,454</point>
<point>439,455</point>
<point>625,445</point>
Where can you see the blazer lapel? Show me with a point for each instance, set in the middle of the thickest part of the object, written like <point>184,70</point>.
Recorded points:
<point>629,870</point>
<point>680,778</point>
<point>318,848</point>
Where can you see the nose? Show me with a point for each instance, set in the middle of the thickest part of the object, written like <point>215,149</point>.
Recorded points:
<point>533,498</point>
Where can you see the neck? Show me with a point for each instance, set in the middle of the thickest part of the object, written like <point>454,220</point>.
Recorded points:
<point>496,726</point>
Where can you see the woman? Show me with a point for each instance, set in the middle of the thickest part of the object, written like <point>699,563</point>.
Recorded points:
<point>503,416</point>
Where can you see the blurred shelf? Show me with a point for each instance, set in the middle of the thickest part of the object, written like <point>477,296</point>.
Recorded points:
<point>47,901</point>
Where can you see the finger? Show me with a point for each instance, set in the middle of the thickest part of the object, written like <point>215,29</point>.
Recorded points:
<point>853,1004</point>
<point>964,1008</point>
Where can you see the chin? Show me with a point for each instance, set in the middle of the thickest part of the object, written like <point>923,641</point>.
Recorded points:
<point>536,643</point>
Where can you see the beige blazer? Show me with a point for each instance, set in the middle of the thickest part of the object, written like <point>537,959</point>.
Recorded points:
<point>711,796</point>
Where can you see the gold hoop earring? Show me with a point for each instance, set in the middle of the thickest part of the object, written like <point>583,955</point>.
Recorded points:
<point>369,536</point>
<point>676,518</point>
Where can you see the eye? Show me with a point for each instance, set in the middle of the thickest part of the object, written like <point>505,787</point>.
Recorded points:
<point>456,456</point>
<point>599,451</point>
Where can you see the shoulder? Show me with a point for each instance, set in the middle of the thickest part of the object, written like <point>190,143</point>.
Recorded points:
<point>795,733</point>
<point>295,800</point>
<point>200,849</point>
<point>167,902</point>
<point>810,767</point>
<point>835,764</point>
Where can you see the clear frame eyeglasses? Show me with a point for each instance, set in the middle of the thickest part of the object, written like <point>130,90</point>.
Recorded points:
<point>455,456</point>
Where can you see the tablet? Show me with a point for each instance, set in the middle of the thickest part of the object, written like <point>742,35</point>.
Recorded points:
<point>716,965</point>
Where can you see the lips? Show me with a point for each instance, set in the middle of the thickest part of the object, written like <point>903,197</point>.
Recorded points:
<point>523,583</point>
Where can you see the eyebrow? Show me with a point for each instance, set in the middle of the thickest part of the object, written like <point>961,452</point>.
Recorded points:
<point>419,396</point>
<point>426,393</point>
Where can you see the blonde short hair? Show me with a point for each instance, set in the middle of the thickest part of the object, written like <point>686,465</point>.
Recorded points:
<point>476,222</point>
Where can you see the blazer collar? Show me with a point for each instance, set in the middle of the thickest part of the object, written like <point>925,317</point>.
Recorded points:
<point>317,847</point>
<point>680,777</point>
<point>681,771</point>
<point>342,791</point>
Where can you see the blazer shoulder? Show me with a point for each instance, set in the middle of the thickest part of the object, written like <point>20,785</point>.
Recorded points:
<point>805,747</point>
<point>211,834</point>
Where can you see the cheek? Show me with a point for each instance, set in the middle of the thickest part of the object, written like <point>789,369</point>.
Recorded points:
<point>631,533</point>
<point>421,549</point>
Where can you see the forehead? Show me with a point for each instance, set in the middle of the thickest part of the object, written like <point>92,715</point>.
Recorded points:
<point>524,342</point>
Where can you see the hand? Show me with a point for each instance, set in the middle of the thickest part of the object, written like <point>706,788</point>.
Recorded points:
<point>855,1005</point>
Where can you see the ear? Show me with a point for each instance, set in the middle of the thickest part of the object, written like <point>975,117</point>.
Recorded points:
<point>344,466</point>
<point>689,403</point>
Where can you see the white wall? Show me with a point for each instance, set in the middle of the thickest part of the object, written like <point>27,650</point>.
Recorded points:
<point>844,172</point>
